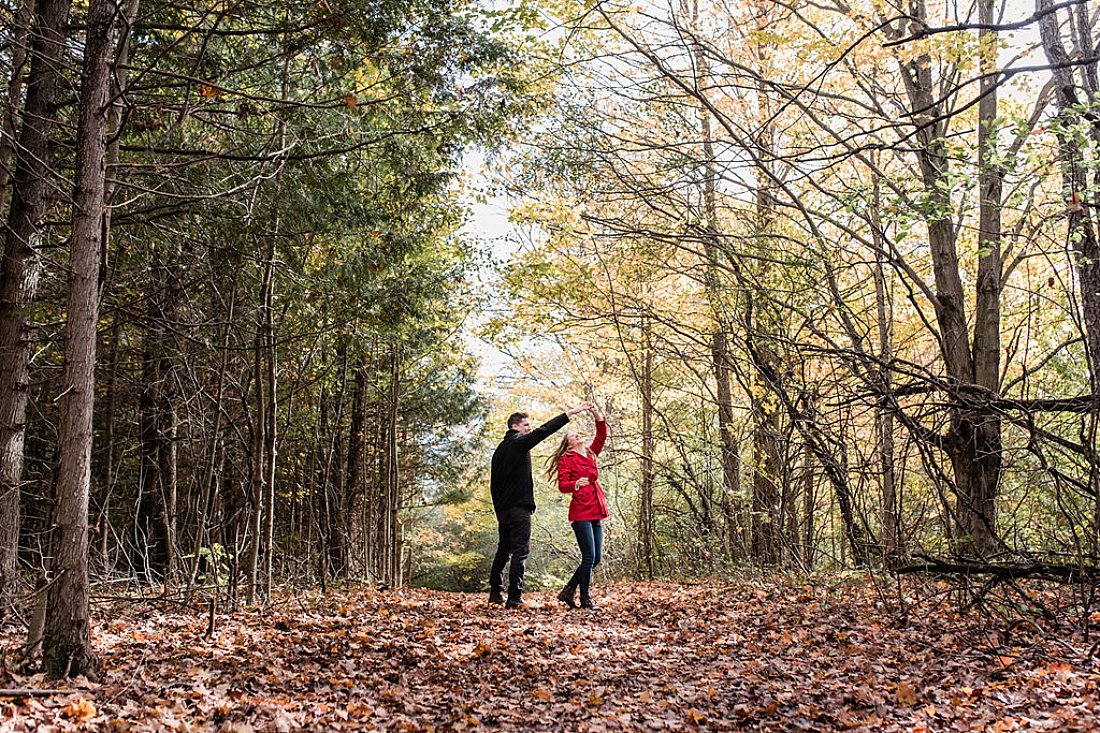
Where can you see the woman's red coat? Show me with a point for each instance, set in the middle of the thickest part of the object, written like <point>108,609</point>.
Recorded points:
<point>588,502</point>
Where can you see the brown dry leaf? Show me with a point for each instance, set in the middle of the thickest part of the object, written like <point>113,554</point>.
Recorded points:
<point>357,709</point>
<point>906,694</point>
<point>80,711</point>
<point>661,656</point>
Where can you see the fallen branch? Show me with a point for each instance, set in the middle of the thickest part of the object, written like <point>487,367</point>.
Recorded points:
<point>40,692</point>
<point>1003,571</point>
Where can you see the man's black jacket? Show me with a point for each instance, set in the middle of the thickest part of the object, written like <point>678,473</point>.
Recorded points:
<point>510,480</point>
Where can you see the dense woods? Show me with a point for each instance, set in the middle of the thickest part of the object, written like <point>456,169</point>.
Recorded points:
<point>831,270</point>
<point>832,264</point>
<point>246,218</point>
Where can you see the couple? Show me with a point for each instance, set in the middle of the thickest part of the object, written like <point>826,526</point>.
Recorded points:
<point>574,465</point>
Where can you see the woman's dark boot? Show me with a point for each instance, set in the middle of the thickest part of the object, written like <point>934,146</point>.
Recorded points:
<point>586,602</point>
<point>566,595</point>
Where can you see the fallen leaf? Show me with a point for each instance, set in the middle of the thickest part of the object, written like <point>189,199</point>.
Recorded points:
<point>906,694</point>
<point>80,711</point>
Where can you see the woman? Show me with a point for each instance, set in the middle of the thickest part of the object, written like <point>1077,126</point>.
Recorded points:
<point>574,464</point>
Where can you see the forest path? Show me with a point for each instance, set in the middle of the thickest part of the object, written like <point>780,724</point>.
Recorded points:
<point>656,656</point>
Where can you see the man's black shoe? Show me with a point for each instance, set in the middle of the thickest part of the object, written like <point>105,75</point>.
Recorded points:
<point>515,603</point>
<point>496,597</point>
<point>586,602</point>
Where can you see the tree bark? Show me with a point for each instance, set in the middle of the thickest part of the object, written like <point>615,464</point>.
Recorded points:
<point>391,562</point>
<point>890,531</point>
<point>103,466</point>
<point>340,528</point>
<point>808,555</point>
<point>766,520</point>
<point>1080,216</point>
<point>151,521</point>
<point>973,440</point>
<point>24,15</point>
<point>768,466</point>
<point>258,473</point>
<point>646,529</point>
<point>890,538</point>
<point>67,648</point>
<point>1079,210</point>
<point>335,514</point>
<point>977,508</point>
<point>1082,200</point>
<point>269,432</point>
<point>22,265</point>
<point>156,528</point>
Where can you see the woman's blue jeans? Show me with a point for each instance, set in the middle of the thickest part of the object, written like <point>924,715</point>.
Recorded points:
<point>590,541</point>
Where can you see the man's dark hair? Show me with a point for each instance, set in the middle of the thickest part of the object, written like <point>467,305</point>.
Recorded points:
<point>516,417</point>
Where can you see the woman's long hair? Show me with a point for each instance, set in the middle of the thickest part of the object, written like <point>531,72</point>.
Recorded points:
<point>555,458</point>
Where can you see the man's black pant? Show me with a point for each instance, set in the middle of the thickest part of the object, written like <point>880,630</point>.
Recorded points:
<point>514,530</point>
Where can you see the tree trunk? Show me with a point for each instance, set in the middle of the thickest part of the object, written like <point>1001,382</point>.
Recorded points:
<point>150,540</point>
<point>169,472</point>
<point>257,473</point>
<point>215,452</point>
<point>376,504</point>
<point>890,521</point>
<point>977,507</point>
<point>890,531</point>
<point>22,265</point>
<point>270,432</point>
<point>391,561</point>
<point>766,519</point>
<point>730,459</point>
<point>67,648</point>
<point>267,300</point>
<point>265,419</point>
<point>808,501</point>
<point>24,16</point>
<point>354,478</point>
<point>768,466</point>
<point>156,521</point>
<point>103,466</point>
<point>1082,200</point>
<point>335,514</point>
<point>768,463</point>
<point>973,440</point>
<point>646,527</point>
<point>1081,221</point>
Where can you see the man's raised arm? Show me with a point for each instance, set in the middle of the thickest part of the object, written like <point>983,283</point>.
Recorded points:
<point>551,426</point>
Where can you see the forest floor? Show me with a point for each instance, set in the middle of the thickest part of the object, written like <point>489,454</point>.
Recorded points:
<point>659,656</point>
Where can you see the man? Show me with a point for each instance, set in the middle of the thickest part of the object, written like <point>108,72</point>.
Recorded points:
<point>513,492</point>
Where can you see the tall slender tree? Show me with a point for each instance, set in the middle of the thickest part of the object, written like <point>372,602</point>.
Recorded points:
<point>22,263</point>
<point>67,647</point>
